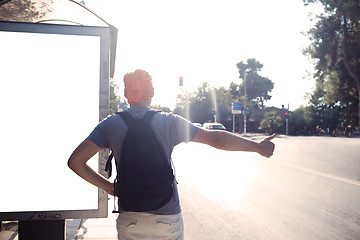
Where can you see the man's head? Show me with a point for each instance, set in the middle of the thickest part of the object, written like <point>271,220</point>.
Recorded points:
<point>138,87</point>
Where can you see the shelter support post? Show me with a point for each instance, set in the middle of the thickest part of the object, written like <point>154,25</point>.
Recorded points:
<point>42,230</point>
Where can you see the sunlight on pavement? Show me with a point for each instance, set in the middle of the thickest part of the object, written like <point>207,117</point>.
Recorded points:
<point>220,175</point>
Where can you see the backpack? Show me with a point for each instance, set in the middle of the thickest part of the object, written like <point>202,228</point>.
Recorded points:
<point>145,178</point>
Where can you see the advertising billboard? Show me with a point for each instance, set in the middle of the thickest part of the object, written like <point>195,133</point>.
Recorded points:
<point>54,89</point>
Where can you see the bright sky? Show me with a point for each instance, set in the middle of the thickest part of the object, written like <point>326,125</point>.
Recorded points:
<point>203,40</point>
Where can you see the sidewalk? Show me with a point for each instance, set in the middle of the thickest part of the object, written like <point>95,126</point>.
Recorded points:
<point>93,228</point>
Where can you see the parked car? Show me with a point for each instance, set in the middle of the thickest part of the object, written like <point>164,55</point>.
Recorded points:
<point>214,126</point>
<point>198,124</point>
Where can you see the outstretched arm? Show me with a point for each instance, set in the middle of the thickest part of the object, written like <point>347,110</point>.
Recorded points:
<point>78,163</point>
<point>232,142</point>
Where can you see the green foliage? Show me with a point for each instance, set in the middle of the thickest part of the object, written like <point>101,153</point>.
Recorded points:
<point>321,112</point>
<point>160,108</point>
<point>201,104</point>
<point>24,10</point>
<point>235,92</point>
<point>224,107</point>
<point>336,48</point>
<point>123,105</point>
<point>114,98</point>
<point>197,106</point>
<point>299,122</point>
<point>257,87</point>
<point>271,122</point>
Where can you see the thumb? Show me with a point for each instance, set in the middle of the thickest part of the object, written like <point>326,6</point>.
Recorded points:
<point>271,137</point>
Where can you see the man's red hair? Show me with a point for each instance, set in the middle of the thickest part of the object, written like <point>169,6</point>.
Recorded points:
<point>138,85</point>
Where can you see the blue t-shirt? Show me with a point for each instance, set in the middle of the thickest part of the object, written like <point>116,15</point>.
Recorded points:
<point>170,129</point>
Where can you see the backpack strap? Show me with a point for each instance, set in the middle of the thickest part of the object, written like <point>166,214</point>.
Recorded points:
<point>108,166</point>
<point>128,119</point>
<point>148,116</point>
<point>126,116</point>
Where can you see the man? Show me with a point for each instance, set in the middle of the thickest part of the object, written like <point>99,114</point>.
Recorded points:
<point>170,129</point>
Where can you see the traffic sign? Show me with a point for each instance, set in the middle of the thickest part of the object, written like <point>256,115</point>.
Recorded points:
<point>236,111</point>
<point>236,106</point>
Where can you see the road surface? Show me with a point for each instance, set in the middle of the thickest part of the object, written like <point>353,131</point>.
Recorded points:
<point>309,189</point>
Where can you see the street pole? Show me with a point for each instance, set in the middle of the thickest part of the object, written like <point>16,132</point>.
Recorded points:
<point>233,123</point>
<point>287,120</point>
<point>245,94</point>
<point>287,126</point>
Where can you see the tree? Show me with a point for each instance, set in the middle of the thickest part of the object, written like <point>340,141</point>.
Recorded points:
<point>114,104</point>
<point>198,106</point>
<point>234,89</point>
<point>123,105</point>
<point>271,122</point>
<point>24,10</point>
<point>336,47</point>
<point>201,104</point>
<point>160,108</point>
<point>223,106</point>
<point>299,122</point>
<point>257,87</point>
<point>321,113</point>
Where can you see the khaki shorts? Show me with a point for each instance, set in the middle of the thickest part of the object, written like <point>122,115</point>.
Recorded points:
<point>136,226</point>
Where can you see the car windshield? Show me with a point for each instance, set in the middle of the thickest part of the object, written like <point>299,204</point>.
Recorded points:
<point>217,127</point>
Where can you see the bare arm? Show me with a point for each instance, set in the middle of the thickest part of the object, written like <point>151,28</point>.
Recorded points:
<point>232,142</point>
<point>78,163</point>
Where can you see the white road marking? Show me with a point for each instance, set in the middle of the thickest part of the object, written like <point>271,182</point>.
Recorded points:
<point>326,175</point>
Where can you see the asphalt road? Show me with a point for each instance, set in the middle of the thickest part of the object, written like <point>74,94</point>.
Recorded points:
<point>309,189</point>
